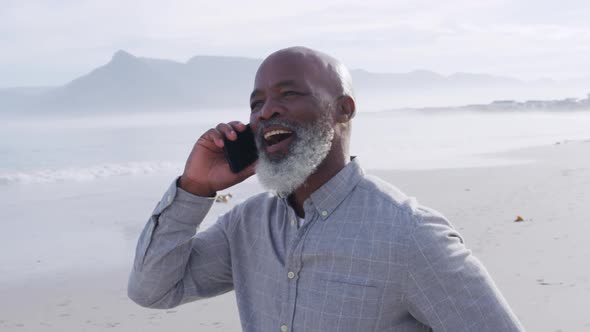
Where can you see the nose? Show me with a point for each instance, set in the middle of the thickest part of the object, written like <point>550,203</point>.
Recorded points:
<point>269,110</point>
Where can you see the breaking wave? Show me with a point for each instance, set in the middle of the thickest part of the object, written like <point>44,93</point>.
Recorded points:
<point>88,173</point>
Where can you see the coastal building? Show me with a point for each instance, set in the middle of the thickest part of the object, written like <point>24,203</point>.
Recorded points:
<point>534,104</point>
<point>564,104</point>
<point>504,102</point>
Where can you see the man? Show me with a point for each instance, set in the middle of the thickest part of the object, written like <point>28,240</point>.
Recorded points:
<point>329,249</point>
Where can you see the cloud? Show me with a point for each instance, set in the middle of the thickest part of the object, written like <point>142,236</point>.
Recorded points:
<point>70,37</point>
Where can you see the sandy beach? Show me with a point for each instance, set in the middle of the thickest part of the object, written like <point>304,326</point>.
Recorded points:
<point>540,264</point>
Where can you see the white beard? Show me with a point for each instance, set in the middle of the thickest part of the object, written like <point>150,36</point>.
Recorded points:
<point>308,150</point>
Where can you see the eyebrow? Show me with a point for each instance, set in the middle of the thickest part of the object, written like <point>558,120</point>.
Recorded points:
<point>277,85</point>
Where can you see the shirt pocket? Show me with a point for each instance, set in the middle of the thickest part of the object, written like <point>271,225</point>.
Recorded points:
<point>355,306</point>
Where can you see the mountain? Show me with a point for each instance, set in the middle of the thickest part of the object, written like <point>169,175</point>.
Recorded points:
<point>21,97</point>
<point>420,79</point>
<point>129,82</point>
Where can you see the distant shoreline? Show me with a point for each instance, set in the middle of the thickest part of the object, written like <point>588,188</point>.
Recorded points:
<point>567,104</point>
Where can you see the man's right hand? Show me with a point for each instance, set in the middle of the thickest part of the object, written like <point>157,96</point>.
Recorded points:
<point>206,170</point>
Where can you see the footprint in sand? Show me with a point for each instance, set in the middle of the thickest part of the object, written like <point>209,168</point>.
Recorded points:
<point>542,282</point>
<point>112,324</point>
<point>155,316</point>
<point>64,303</point>
<point>573,171</point>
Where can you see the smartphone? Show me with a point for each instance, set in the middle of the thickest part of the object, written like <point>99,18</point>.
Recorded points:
<point>242,152</point>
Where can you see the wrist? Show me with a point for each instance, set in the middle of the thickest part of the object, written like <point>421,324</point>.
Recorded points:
<point>195,188</point>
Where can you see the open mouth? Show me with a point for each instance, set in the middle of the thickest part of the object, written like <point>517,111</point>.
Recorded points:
<point>276,140</point>
<point>276,136</point>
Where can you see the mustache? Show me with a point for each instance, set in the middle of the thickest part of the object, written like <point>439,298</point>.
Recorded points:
<point>262,126</point>
<point>275,122</point>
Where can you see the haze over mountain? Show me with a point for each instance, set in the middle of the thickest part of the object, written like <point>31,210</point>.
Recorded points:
<point>129,82</point>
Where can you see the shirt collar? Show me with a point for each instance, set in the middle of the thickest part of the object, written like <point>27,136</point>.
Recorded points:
<point>327,198</point>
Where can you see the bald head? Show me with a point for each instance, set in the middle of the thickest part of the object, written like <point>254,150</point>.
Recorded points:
<point>329,71</point>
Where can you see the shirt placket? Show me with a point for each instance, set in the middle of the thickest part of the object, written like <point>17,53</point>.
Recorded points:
<point>293,266</point>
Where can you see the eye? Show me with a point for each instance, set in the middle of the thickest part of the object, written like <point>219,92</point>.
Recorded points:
<point>256,104</point>
<point>291,93</point>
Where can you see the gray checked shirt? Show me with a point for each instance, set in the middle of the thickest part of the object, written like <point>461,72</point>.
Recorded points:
<point>367,258</point>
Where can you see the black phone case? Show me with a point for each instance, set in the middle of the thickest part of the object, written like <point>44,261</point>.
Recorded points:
<point>242,152</point>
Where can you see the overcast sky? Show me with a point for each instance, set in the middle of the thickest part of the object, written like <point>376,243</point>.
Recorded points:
<point>51,42</point>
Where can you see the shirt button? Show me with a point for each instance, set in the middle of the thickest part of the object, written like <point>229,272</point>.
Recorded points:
<point>291,275</point>
<point>324,213</point>
<point>284,328</point>
<point>170,198</point>
<point>293,221</point>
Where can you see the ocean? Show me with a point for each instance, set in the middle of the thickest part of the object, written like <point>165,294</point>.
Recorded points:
<point>76,189</point>
<point>66,147</point>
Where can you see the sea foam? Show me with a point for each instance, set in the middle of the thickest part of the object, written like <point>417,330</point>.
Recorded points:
<point>95,172</point>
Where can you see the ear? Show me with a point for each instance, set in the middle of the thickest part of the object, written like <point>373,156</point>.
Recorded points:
<point>345,109</point>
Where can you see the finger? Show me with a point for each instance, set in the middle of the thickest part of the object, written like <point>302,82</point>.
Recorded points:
<point>215,136</point>
<point>237,126</point>
<point>227,131</point>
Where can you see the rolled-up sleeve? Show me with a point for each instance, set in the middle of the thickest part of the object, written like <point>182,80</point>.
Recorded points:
<point>173,265</point>
<point>446,287</point>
